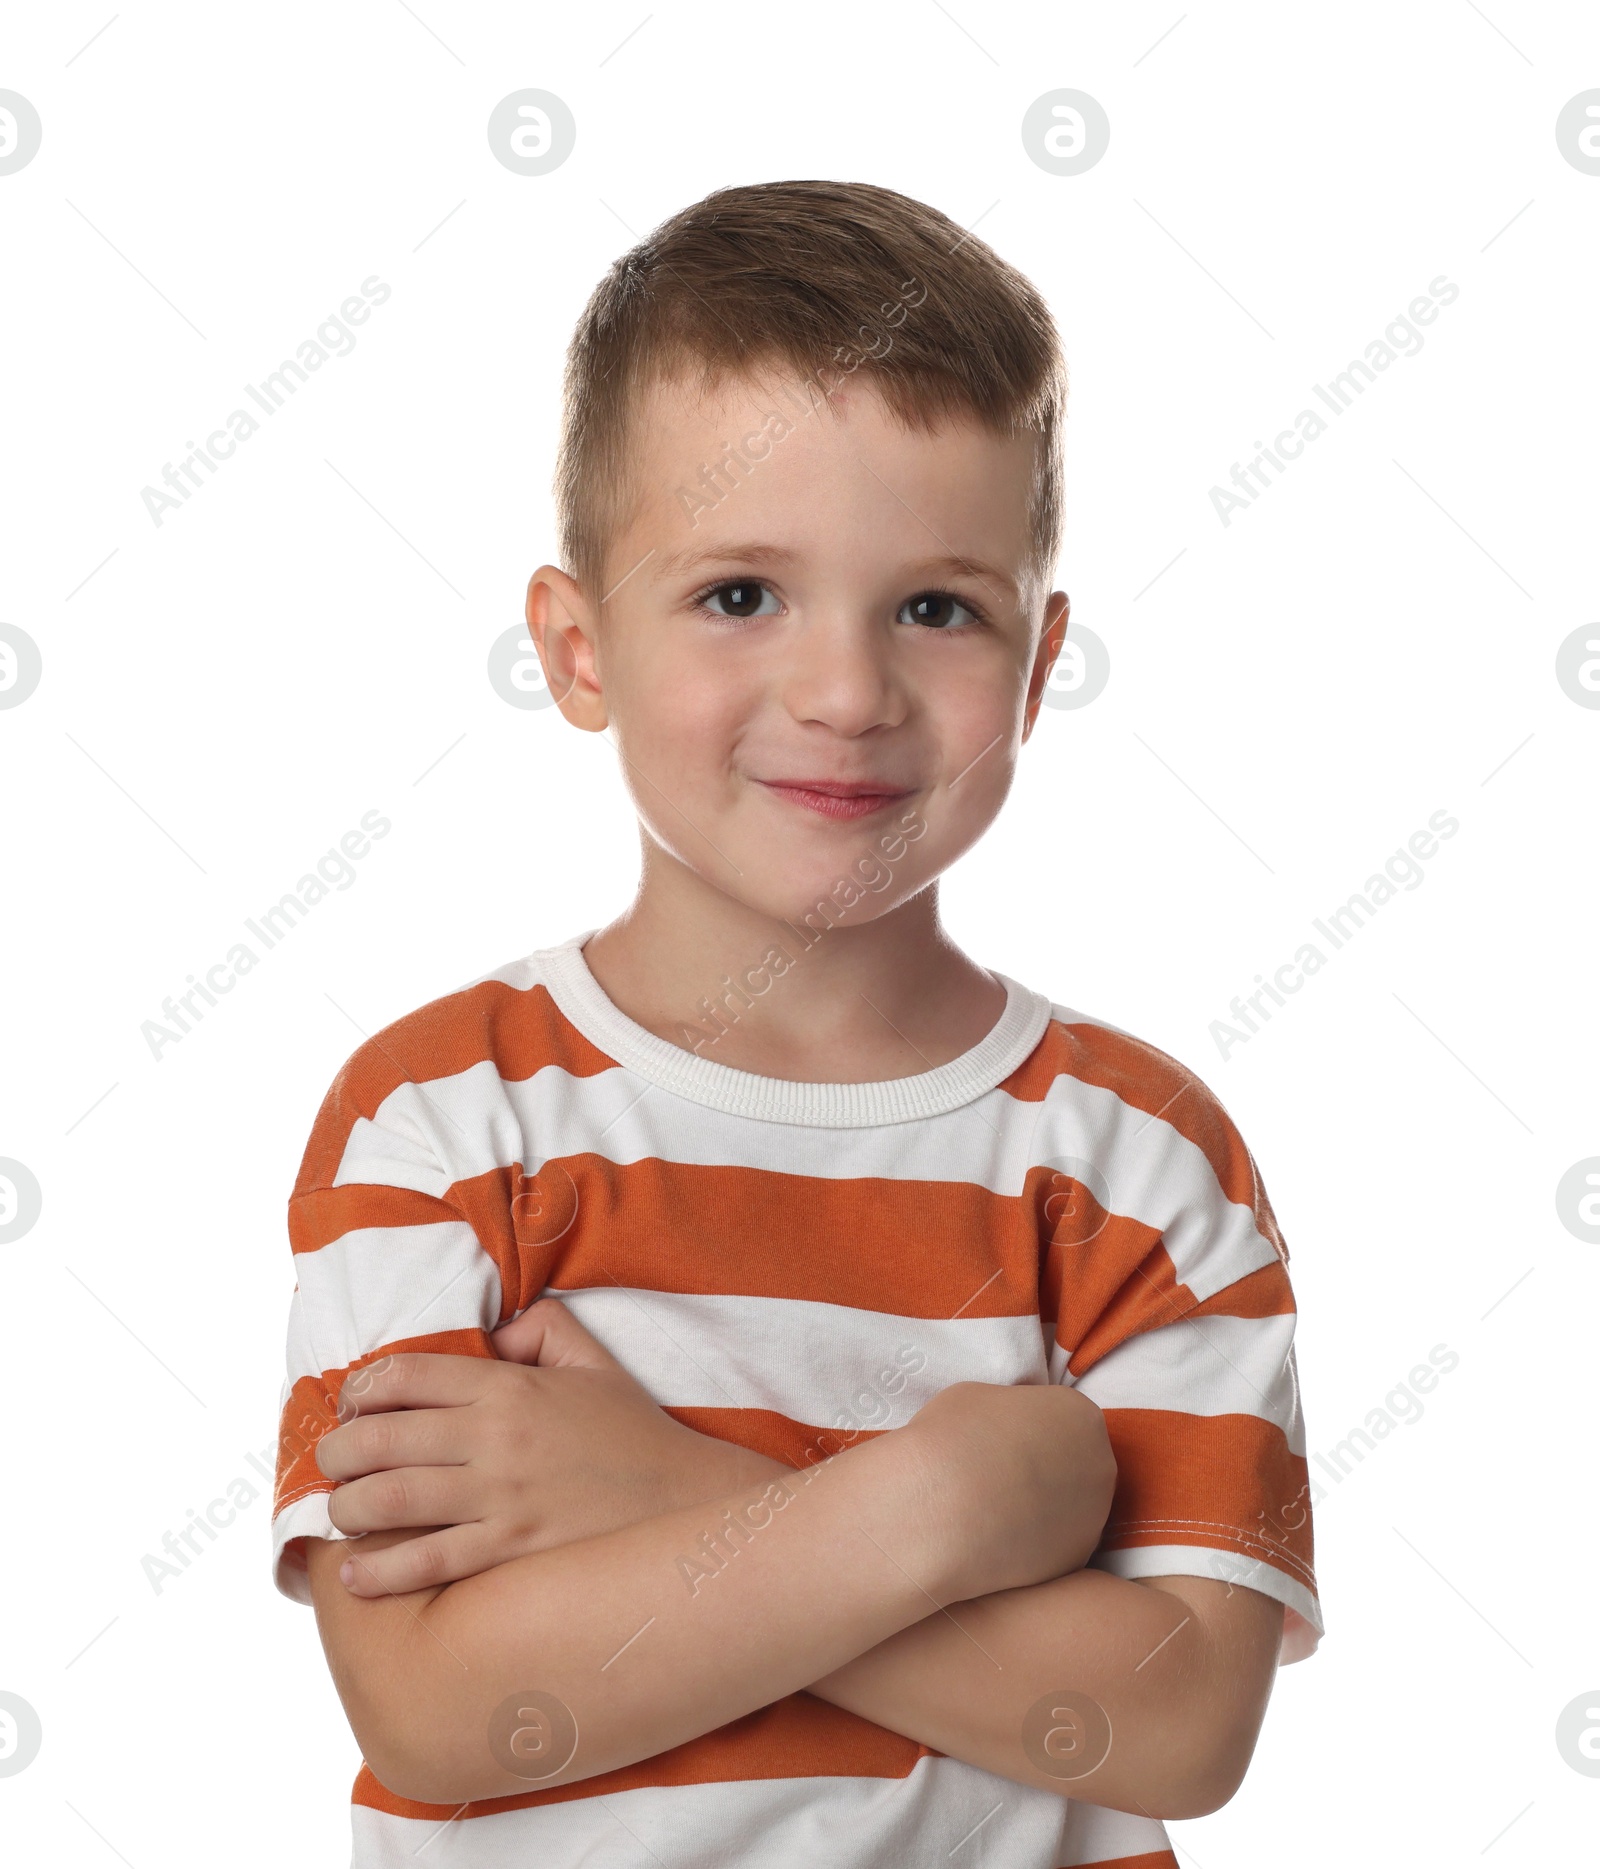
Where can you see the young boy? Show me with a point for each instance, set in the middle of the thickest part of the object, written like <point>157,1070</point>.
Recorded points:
<point>763,1387</point>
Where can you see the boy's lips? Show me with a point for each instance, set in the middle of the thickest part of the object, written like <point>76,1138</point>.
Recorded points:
<point>834,798</point>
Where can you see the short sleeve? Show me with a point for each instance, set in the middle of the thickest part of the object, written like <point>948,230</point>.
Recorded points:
<point>1176,1317</point>
<point>391,1253</point>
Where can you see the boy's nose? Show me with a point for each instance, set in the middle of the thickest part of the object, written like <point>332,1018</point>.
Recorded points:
<point>841,672</point>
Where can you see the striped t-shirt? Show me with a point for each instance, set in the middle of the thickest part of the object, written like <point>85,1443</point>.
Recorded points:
<point>791,1266</point>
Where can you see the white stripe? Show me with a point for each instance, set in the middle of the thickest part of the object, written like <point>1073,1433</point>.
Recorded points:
<point>1069,1015</point>
<point>786,1823</point>
<point>814,1362</point>
<point>827,1365</point>
<point>1226,1567</point>
<point>474,1122</point>
<point>299,1355</point>
<point>377,1285</point>
<point>1203,1366</point>
<point>395,1153</point>
<point>307,1517</point>
<point>1095,1833</point>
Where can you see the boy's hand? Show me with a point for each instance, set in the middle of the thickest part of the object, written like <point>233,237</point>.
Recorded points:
<point>553,1443</point>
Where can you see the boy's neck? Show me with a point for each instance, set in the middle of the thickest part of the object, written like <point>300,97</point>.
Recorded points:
<point>890,998</point>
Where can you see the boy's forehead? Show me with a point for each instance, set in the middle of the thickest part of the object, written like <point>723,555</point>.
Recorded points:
<point>676,409</point>
<point>758,455</point>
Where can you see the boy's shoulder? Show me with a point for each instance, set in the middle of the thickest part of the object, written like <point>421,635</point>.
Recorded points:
<point>508,1016</point>
<point>1142,1077</point>
<point>505,1021</point>
<point>1149,1115</point>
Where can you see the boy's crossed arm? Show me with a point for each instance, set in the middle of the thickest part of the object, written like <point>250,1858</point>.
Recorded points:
<point>571,1522</point>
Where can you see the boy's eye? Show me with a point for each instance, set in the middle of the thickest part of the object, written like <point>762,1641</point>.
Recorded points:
<point>740,599</point>
<point>937,610</point>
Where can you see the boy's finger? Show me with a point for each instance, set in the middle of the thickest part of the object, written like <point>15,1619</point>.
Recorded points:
<point>410,1496</point>
<point>413,1379</point>
<point>420,1563</point>
<point>402,1437</point>
<point>549,1335</point>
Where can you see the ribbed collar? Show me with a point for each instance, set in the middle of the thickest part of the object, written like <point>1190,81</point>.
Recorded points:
<point>584,1003</point>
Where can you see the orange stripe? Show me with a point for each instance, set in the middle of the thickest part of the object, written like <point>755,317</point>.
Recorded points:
<point>1147,1859</point>
<point>798,1736</point>
<point>797,1443</point>
<point>1266,1292</point>
<point>1154,1296</point>
<point>307,1416</point>
<point>1226,1481</point>
<point>320,1216</point>
<point>683,1228</point>
<point>584,1222</point>
<point>712,1229</point>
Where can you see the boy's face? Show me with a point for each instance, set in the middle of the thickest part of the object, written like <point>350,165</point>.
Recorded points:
<point>782,630</point>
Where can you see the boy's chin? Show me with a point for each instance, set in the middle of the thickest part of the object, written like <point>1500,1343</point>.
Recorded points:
<point>826,902</point>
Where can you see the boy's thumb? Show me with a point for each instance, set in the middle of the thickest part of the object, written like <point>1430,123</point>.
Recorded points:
<point>547,1334</point>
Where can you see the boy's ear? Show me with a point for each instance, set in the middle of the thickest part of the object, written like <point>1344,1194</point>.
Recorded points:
<point>1051,637</point>
<point>562,626</point>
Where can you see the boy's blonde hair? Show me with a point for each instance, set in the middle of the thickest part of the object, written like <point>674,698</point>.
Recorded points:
<point>820,279</point>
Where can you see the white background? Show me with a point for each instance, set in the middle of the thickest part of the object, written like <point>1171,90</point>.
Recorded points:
<point>226,694</point>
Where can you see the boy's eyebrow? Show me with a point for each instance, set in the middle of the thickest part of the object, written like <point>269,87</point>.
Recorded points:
<point>675,564</point>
